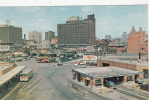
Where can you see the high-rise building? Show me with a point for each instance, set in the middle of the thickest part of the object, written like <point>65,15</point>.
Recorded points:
<point>9,33</point>
<point>76,32</point>
<point>124,36</point>
<point>108,37</point>
<point>49,35</point>
<point>34,35</point>
<point>140,33</point>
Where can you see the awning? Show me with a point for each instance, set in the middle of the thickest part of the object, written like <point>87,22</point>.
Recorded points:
<point>87,78</point>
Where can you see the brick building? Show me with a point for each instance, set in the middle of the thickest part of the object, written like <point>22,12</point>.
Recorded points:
<point>140,33</point>
<point>76,32</point>
<point>134,45</point>
<point>118,45</point>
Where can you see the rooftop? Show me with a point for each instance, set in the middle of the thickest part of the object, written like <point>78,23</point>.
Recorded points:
<point>106,72</point>
<point>126,59</point>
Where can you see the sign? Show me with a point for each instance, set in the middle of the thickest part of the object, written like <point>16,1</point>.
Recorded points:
<point>89,57</point>
<point>43,51</point>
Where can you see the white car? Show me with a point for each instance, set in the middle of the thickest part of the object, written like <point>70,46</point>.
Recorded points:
<point>82,63</point>
<point>75,65</point>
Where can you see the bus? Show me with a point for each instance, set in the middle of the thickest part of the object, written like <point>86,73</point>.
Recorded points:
<point>26,75</point>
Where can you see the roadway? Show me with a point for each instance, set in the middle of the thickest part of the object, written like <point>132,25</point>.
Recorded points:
<point>48,83</point>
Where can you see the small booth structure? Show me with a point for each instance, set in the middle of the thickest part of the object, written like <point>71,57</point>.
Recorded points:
<point>97,76</point>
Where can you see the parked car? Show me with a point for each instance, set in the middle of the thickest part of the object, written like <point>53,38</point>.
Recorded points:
<point>76,65</point>
<point>95,64</point>
<point>110,84</point>
<point>82,67</point>
<point>139,81</point>
<point>19,59</point>
<point>82,63</point>
<point>87,63</point>
<point>144,87</point>
<point>92,64</point>
<point>59,64</point>
<point>28,58</point>
<point>11,61</point>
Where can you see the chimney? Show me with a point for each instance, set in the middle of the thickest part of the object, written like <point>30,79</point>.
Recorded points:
<point>24,39</point>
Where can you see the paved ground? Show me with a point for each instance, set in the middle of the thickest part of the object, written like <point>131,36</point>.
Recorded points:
<point>48,83</point>
<point>55,83</point>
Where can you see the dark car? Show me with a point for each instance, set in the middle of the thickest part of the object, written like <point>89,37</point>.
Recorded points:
<point>95,64</point>
<point>87,63</point>
<point>92,64</point>
<point>110,84</point>
<point>144,87</point>
<point>11,61</point>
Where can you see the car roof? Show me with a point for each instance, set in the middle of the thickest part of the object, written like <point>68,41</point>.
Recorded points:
<point>110,81</point>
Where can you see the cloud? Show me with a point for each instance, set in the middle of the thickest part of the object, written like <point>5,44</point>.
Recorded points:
<point>87,9</point>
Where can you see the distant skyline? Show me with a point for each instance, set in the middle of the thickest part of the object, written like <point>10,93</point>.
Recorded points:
<point>110,20</point>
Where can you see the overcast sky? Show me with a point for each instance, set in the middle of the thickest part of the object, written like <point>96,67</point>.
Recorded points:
<point>110,20</point>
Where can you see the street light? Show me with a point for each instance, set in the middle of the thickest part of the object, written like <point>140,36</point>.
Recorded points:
<point>14,57</point>
<point>100,55</point>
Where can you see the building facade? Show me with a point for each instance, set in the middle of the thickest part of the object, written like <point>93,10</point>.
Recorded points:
<point>34,35</point>
<point>140,33</point>
<point>76,32</point>
<point>108,37</point>
<point>9,33</point>
<point>49,35</point>
<point>134,45</point>
<point>124,36</point>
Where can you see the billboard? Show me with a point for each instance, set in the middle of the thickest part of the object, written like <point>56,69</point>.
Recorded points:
<point>89,57</point>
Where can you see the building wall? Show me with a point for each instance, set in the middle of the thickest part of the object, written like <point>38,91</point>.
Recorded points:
<point>15,35</point>
<point>119,48</point>
<point>131,66</point>
<point>133,44</point>
<point>77,32</point>
<point>34,35</point>
<point>54,40</point>
<point>4,34</point>
<point>142,35</point>
<point>144,48</point>
<point>11,34</point>
<point>49,35</point>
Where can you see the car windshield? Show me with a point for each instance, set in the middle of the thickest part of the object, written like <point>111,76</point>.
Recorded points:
<point>111,83</point>
<point>23,75</point>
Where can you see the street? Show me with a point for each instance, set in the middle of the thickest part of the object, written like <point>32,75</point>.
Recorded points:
<point>48,82</point>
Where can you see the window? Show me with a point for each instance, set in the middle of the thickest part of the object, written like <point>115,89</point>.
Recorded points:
<point>98,81</point>
<point>142,48</point>
<point>129,78</point>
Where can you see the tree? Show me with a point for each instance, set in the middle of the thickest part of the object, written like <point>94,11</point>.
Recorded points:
<point>26,50</point>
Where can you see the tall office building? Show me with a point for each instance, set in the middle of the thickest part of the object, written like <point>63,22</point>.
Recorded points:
<point>9,33</point>
<point>49,35</point>
<point>108,37</point>
<point>34,35</point>
<point>140,33</point>
<point>124,36</point>
<point>77,32</point>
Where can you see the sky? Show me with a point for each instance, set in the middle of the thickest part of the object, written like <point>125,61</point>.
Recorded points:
<point>110,20</point>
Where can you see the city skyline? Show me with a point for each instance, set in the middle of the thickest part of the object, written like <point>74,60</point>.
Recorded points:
<point>110,20</point>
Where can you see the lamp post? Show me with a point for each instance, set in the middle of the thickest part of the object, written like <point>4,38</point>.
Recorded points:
<point>100,55</point>
<point>14,56</point>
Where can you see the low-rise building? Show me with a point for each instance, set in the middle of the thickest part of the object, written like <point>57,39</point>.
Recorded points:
<point>95,77</point>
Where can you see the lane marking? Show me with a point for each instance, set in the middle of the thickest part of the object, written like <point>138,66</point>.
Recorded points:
<point>41,97</point>
<point>33,88</point>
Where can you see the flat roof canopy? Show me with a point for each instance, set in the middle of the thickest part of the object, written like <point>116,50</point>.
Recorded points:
<point>106,72</point>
